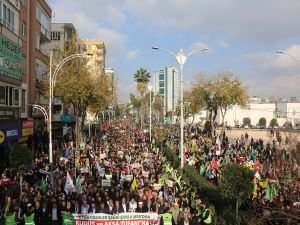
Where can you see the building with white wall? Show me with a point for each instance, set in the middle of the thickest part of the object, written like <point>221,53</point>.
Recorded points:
<point>281,111</point>
<point>166,83</point>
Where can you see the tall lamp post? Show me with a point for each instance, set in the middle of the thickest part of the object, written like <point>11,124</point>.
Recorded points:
<point>52,80</point>
<point>181,58</point>
<point>290,55</point>
<point>150,114</point>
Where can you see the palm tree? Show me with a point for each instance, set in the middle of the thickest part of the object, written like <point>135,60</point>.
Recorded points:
<point>142,78</point>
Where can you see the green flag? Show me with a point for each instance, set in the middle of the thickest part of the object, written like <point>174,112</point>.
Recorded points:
<point>67,219</point>
<point>43,185</point>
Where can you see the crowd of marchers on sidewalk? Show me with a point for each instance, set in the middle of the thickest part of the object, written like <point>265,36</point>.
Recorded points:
<point>271,163</point>
<point>141,180</point>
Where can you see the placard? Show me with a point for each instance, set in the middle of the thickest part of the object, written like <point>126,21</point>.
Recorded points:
<point>106,183</point>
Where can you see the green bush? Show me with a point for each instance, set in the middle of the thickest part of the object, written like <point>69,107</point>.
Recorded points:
<point>273,122</point>
<point>247,121</point>
<point>262,122</point>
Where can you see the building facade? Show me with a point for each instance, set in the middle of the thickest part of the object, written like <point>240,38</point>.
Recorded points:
<point>166,84</point>
<point>95,48</point>
<point>24,29</point>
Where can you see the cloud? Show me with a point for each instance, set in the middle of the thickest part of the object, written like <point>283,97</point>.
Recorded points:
<point>259,21</point>
<point>94,22</point>
<point>198,45</point>
<point>223,44</point>
<point>273,74</point>
<point>132,54</point>
<point>124,90</point>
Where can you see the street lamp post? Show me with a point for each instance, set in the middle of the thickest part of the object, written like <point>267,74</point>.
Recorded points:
<point>52,80</point>
<point>150,115</point>
<point>181,58</point>
<point>290,55</point>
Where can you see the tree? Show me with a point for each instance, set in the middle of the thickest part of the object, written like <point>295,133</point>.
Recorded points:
<point>136,103</point>
<point>20,157</point>
<point>205,89</point>
<point>247,121</point>
<point>101,94</point>
<point>262,122</point>
<point>273,122</point>
<point>142,78</point>
<point>74,83</point>
<point>229,91</point>
<point>236,184</point>
<point>195,103</point>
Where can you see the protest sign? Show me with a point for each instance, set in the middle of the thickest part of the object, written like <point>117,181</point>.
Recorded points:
<point>106,183</point>
<point>129,177</point>
<point>121,219</point>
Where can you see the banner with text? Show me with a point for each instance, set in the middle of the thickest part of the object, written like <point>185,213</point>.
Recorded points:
<point>119,219</point>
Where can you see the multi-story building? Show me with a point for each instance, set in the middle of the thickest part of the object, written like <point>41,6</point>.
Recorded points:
<point>166,84</point>
<point>95,48</point>
<point>12,71</point>
<point>111,74</point>
<point>24,30</point>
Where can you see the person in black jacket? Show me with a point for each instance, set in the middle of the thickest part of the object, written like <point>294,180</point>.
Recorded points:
<point>103,209</point>
<point>38,213</point>
<point>117,208</point>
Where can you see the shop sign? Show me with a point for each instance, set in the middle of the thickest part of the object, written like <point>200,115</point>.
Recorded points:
<point>11,59</point>
<point>67,118</point>
<point>9,113</point>
<point>27,132</point>
<point>10,131</point>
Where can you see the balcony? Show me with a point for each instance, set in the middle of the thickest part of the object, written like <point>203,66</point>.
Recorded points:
<point>46,35</point>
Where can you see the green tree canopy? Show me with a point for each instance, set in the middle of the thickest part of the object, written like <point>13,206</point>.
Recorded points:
<point>262,122</point>
<point>142,78</point>
<point>273,122</point>
<point>247,121</point>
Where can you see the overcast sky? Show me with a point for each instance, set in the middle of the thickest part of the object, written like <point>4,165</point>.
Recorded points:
<point>243,37</point>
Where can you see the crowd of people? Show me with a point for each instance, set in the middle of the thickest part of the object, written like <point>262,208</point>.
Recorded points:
<point>271,164</point>
<point>117,171</point>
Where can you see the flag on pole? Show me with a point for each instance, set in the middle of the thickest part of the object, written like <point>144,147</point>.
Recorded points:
<point>133,185</point>
<point>69,186</point>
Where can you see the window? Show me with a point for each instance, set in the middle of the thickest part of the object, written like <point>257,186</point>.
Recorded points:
<point>2,95</point>
<point>16,97</point>
<point>10,100</point>
<point>23,101</point>
<point>161,76</point>
<point>37,40</point>
<point>55,36</point>
<point>24,30</point>
<point>8,17</point>
<point>161,83</point>
<point>42,17</point>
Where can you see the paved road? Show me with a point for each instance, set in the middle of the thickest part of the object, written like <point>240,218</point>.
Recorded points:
<point>264,134</point>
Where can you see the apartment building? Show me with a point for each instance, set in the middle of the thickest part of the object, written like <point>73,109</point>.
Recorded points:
<point>166,83</point>
<point>24,28</point>
<point>96,48</point>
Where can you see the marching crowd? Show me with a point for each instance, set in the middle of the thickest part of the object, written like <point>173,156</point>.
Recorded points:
<point>117,171</point>
<point>120,171</point>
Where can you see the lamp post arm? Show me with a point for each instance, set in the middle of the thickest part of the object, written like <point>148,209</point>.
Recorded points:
<point>290,55</point>
<point>166,50</point>
<point>64,61</point>
<point>197,50</point>
<point>42,109</point>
